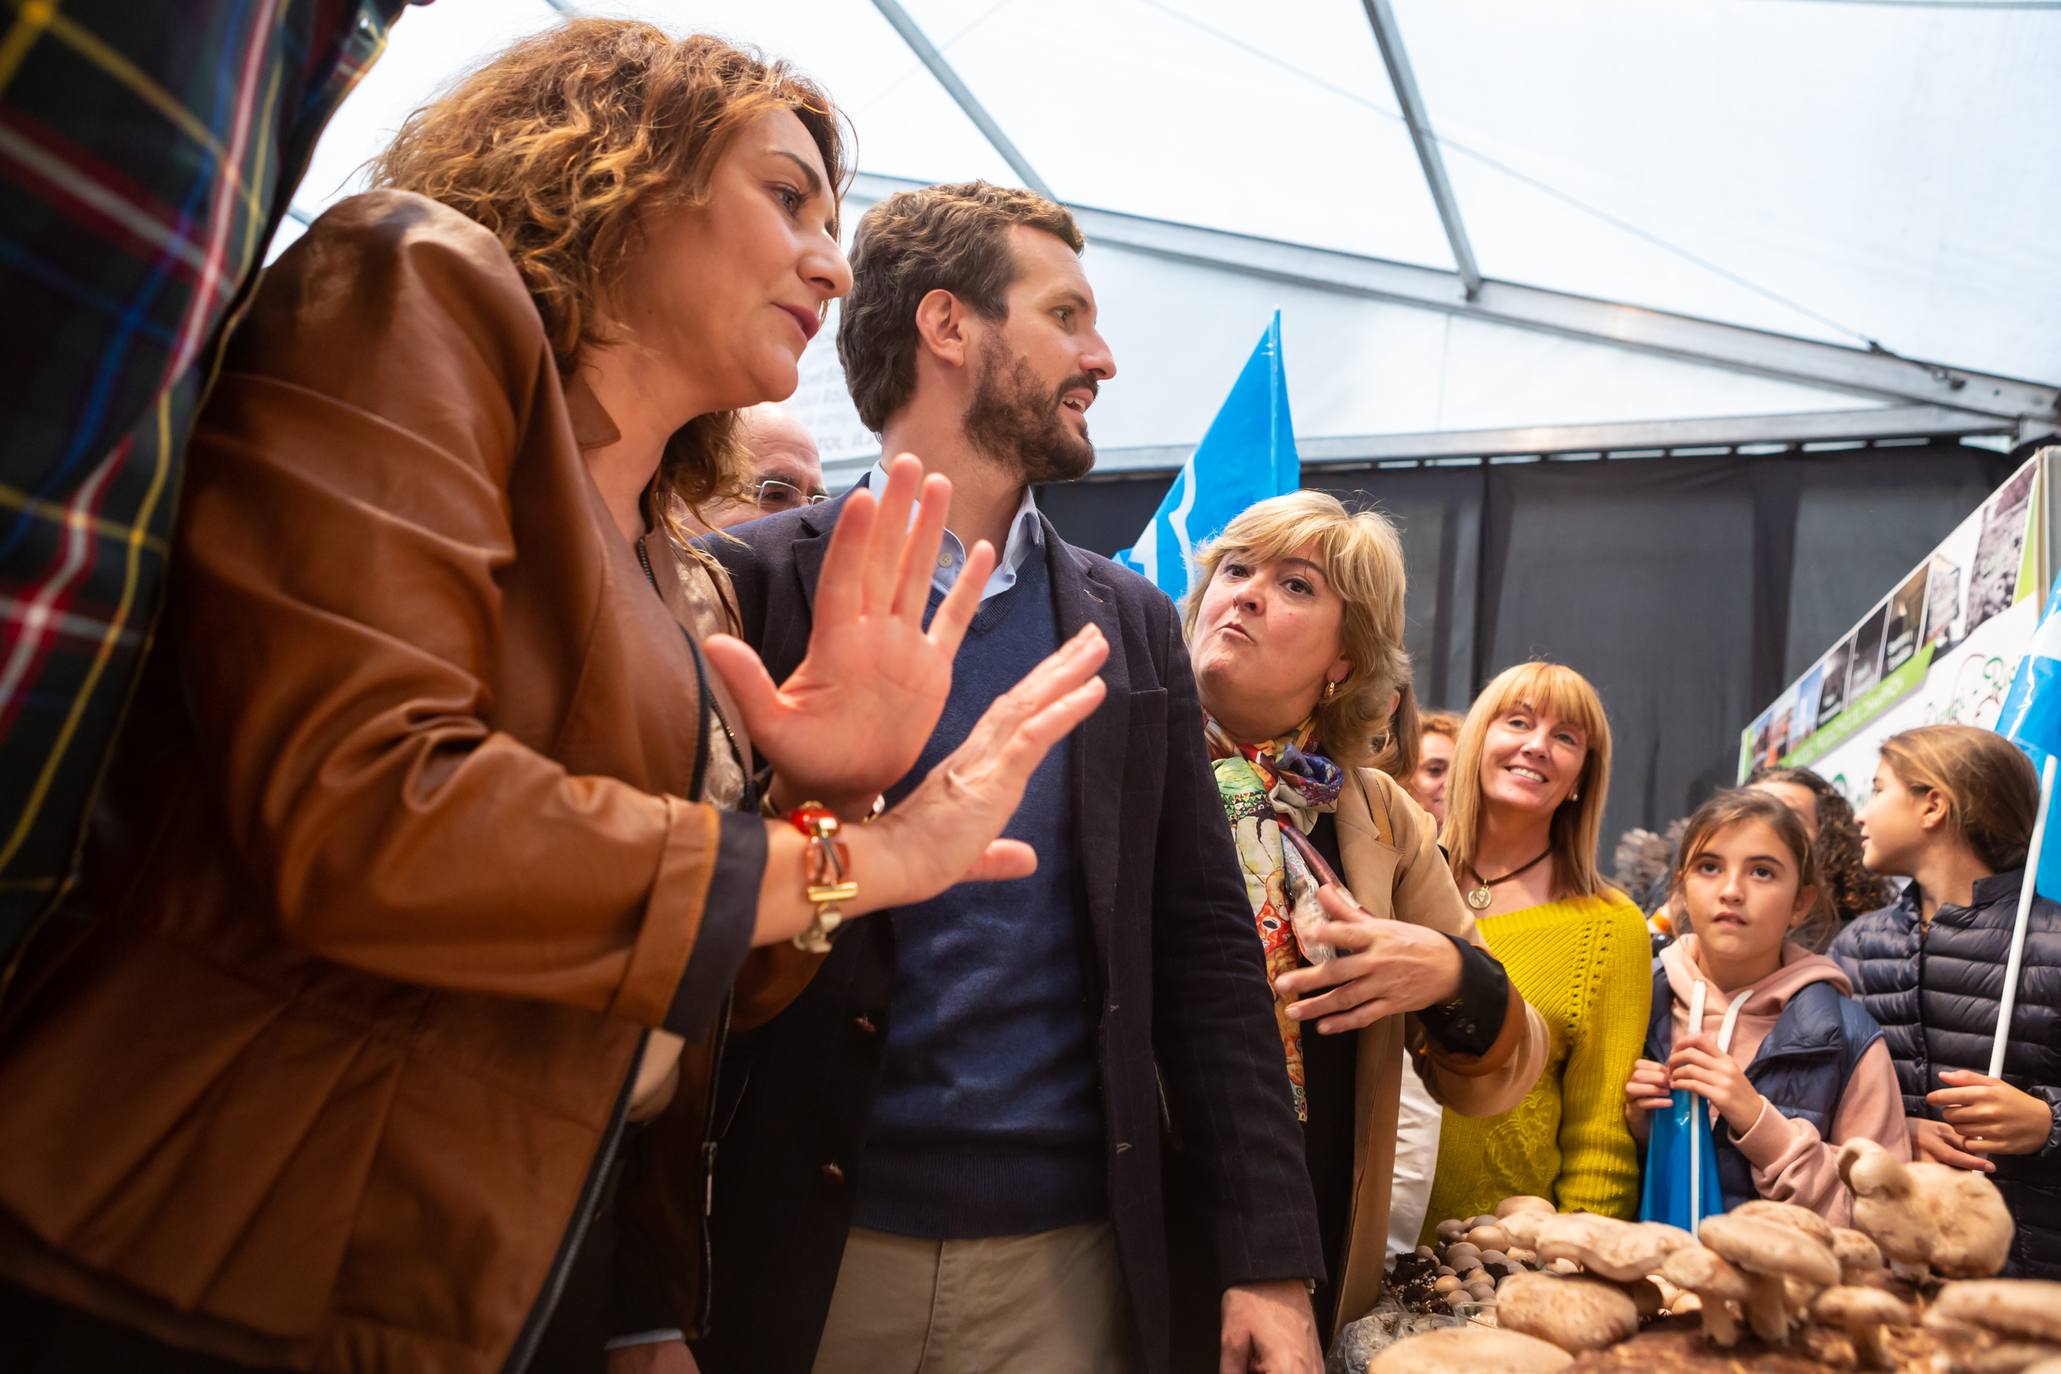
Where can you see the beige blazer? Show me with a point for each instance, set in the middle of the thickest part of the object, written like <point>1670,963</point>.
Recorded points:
<point>1389,848</point>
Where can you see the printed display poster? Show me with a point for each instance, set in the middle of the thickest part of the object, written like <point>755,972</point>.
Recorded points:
<point>1906,622</point>
<point>1832,693</point>
<point>1867,654</point>
<point>1940,646</point>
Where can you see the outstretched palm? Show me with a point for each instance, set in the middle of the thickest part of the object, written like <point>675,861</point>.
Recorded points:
<point>852,719</point>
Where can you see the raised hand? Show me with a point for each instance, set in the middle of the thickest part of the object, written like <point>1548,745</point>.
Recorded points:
<point>851,720</point>
<point>944,832</point>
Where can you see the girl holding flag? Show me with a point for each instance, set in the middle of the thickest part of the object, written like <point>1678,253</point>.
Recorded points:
<point>1953,811</point>
<point>1790,1064</point>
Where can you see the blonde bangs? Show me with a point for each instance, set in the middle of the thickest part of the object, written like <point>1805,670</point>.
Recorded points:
<point>1549,689</point>
<point>1362,558</point>
<point>1555,690</point>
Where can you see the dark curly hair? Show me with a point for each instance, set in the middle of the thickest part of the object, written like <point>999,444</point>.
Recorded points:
<point>559,143</point>
<point>1854,890</point>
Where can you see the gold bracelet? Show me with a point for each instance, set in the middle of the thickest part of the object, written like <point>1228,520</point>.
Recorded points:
<point>826,869</point>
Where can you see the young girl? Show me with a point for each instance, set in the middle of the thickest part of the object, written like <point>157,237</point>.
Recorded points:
<point>1791,1065</point>
<point>1953,811</point>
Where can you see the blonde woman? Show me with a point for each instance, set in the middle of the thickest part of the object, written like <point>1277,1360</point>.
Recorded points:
<point>1524,808</point>
<point>1296,637</point>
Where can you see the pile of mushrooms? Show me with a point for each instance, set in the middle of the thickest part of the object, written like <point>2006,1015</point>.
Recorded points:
<point>1473,1257</point>
<point>1559,1285</point>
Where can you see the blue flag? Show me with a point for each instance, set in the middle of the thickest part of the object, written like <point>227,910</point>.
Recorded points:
<point>1671,1163</point>
<point>1247,455</point>
<point>2031,719</point>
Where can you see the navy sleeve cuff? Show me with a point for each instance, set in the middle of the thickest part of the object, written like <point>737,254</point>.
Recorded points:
<point>1471,1020</point>
<point>728,914</point>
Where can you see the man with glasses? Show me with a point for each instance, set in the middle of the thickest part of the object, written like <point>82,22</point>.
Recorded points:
<point>787,472</point>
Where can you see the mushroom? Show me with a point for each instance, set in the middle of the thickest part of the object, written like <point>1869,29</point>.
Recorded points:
<point>1523,1202</point>
<point>1450,1231</point>
<point>2051,1364</point>
<point>1613,1249</point>
<point>1802,1218</point>
<point>1770,1252</point>
<point>1575,1314</point>
<point>1862,1313</point>
<point>1570,1236</point>
<point>1715,1284</point>
<point>2025,1309</point>
<point>1858,1256</point>
<point>1647,1299</point>
<point>1921,1214</point>
<point>1988,1355</point>
<point>1490,1237</point>
<point>1471,1350</point>
<point>1522,1229</point>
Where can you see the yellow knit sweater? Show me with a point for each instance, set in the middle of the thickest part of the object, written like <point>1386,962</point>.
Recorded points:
<point>1587,965</point>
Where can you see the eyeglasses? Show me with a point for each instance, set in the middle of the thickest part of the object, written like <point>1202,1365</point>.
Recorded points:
<point>775,495</point>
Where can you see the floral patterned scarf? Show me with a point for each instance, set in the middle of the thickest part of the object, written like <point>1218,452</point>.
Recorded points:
<point>1272,795</point>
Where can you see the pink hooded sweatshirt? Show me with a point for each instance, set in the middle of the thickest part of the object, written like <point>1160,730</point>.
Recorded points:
<point>1791,1161</point>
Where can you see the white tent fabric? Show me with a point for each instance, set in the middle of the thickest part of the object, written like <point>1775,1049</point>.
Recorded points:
<point>1864,175</point>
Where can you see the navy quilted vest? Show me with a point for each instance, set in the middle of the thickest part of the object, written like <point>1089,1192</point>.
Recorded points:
<point>1801,1067</point>
<point>1937,993</point>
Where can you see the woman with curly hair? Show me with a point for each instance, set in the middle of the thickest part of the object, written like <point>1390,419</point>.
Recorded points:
<point>432,854</point>
<point>1835,835</point>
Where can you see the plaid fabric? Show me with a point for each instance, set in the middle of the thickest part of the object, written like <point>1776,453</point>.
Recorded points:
<point>147,152</point>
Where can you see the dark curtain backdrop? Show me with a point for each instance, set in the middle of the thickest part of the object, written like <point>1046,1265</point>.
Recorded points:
<point>1689,590</point>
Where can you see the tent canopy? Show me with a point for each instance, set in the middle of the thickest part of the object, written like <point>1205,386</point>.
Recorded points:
<point>1780,220</point>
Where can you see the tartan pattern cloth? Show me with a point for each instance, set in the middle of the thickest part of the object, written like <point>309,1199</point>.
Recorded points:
<point>147,153</point>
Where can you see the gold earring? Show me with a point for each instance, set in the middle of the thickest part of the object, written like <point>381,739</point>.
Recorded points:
<point>1574,796</point>
<point>1330,690</point>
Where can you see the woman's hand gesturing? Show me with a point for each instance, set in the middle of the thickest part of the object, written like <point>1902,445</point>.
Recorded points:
<point>944,832</point>
<point>852,719</point>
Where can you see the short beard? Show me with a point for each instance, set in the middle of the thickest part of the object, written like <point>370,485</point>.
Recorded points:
<point>1015,422</point>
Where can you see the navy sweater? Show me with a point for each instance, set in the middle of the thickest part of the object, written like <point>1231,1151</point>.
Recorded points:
<point>988,1121</point>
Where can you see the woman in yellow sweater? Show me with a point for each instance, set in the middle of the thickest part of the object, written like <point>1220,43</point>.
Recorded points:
<point>1523,810</point>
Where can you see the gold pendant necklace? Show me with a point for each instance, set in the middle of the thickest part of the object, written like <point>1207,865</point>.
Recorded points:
<point>1479,895</point>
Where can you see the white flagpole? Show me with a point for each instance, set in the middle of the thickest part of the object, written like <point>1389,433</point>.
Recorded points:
<point>2025,896</point>
<point>1696,994</point>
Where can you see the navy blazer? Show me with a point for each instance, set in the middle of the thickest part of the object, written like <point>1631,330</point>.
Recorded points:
<point>1185,1033</point>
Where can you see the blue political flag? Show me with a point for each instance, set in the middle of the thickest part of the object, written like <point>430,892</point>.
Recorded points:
<point>1679,1150</point>
<point>2031,719</point>
<point>1247,455</point>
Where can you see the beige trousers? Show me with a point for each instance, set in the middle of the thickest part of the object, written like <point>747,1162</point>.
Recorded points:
<point>1049,1302</point>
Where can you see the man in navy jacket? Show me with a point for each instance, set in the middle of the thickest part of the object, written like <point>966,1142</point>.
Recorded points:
<point>952,1139</point>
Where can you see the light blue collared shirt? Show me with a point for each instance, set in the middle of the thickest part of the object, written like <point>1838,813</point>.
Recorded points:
<point>1026,532</point>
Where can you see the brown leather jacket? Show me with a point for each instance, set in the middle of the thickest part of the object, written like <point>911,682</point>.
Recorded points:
<point>395,872</point>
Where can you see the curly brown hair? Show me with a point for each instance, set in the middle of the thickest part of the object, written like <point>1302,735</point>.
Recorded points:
<point>559,144</point>
<point>1854,890</point>
<point>940,238</point>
